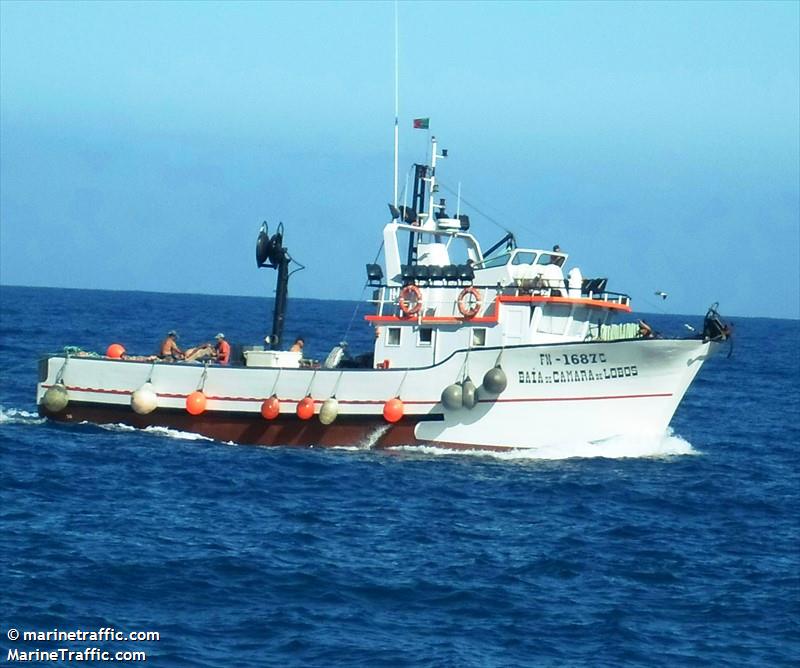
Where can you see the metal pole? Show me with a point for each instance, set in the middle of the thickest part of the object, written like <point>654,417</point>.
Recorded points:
<point>281,293</point>
<point>396,99</point>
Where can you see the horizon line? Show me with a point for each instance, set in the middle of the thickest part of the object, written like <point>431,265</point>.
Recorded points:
<point>318,299</point>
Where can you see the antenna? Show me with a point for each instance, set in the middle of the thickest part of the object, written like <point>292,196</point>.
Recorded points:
<point>396,98</point>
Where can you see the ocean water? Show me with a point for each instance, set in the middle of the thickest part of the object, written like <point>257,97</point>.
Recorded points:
<point>680,551</point>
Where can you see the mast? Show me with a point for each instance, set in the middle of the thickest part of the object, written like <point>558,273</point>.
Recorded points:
<point>432,206</point>
<point>271,253</point>
<point>281,299</point>
<point>396,100</point>
<point>432,191</point>
<point>418,206</point>
<point>424,174</point>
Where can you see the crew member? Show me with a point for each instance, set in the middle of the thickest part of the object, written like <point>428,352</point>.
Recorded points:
<point>557,260</point>
<point>297,346</point>
<point>222,349</point>
<point>169,348</point>
<point>645,331</point>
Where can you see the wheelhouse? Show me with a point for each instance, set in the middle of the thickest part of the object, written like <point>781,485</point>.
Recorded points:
<point>440,293</point>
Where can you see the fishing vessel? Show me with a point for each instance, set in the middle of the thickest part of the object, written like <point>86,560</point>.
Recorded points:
<point>500,348</point>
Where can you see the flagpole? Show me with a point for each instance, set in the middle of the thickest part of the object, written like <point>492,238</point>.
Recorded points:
<point>396,100</point>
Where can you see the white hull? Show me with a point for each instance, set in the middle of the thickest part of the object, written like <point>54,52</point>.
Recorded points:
<point>556,393</point>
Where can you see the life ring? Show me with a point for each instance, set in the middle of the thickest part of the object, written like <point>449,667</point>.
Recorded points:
<point>410,301</point>
<point>469,302</point>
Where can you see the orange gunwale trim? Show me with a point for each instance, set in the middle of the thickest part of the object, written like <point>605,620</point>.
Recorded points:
<point>505,299</point>
<point>439,320</point>
<point>596,303</point>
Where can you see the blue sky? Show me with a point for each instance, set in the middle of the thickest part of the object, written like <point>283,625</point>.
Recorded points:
<point>141,144</point>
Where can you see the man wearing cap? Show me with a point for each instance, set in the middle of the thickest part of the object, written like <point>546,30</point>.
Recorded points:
<point>219,352</point>
<point>557,260</point>
<point>222,349</point>
<point>169,348</point>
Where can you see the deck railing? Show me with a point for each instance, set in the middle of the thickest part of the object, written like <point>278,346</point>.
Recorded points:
<point>386,297</point>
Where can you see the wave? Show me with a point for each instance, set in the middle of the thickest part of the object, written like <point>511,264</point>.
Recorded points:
<point>157,431</point>
<point>651,446</point>
<point>17,416</point>
<point>619,447</point>
<point>175,433</point>
<point>372,438</point>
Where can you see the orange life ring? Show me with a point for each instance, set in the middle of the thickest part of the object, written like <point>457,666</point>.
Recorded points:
<point>469,302</point>
<point>410,301</point>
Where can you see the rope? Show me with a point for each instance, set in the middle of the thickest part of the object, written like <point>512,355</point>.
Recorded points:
<point>60,374</point>
<point>336,386</point>
<point>360,298</point>
<point>311,383</point>
<point>499,357</point>
<point>203,377</point>
<point>487,216</point>
<point>465,367</point>
<point>378,254</point>
<point>275,384</point>
<point>475,208</point>
<point>402,382</point>
<point>300,266</point>
<point>353,316</point>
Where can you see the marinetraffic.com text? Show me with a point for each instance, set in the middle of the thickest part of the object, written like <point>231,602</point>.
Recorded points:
<point>45,651</point>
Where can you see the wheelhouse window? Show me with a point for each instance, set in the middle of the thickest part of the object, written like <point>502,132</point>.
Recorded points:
<point>524,257</point>
<point>551,258</point>
<point>424,336</point>
<point>479,336</point>
<point>393,336</point>
<point>497,261</point>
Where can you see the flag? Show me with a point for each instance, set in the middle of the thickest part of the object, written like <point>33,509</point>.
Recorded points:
<point>421,123</point>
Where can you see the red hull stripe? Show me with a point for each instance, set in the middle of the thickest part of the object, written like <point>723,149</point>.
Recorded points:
<point>615,396</point>
<point>367,402</point>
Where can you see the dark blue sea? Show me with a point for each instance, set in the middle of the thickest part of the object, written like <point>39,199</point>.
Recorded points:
<point>684,551</point>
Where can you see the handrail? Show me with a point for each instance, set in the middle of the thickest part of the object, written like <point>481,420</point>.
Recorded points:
<point>446,309</point>
<point>510,290</point>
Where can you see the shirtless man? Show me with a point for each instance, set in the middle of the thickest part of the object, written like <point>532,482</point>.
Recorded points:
<point>169,348</point>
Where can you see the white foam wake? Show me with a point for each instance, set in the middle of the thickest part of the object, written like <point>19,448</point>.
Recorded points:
<point>373,437</point>
<point>175,433</point>
<point>619,447</point>
<point>16,416</point>
<point>157,431</point>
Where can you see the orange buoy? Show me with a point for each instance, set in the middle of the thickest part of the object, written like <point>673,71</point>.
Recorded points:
<point>305,408</point>
<point>393,410</point>
<point>196,403</point>
<point>271,408</point>
<point>115,351</point>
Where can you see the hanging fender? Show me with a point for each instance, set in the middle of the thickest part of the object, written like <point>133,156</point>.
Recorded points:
<point>469,302</point>
<point>410,300</point>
